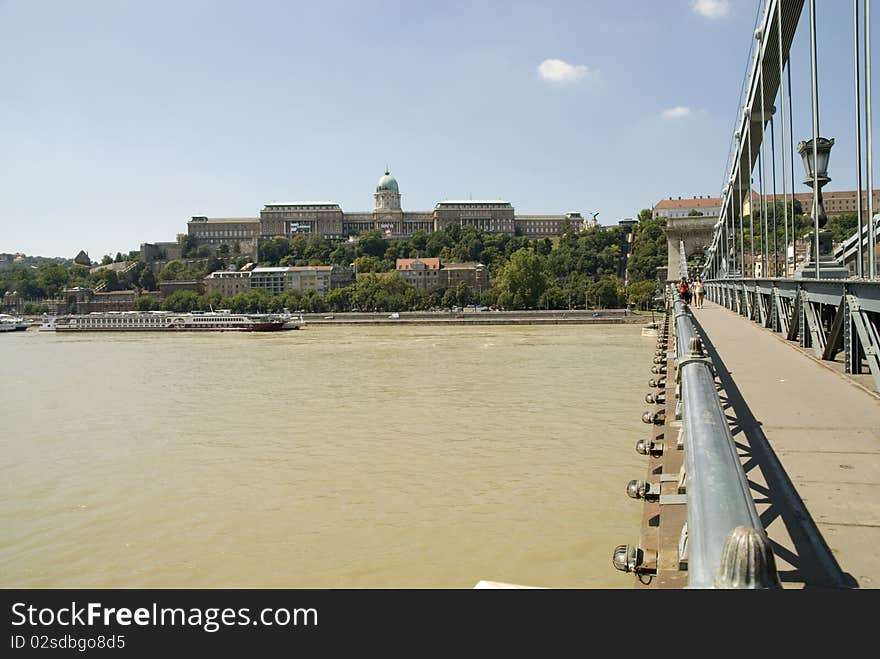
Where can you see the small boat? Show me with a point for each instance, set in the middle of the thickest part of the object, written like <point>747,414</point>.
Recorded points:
<point>292,322</point>
<point>651,329</point>
<point>12,323</point>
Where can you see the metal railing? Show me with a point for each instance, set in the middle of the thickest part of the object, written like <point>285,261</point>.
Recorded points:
<point>726,545</point>
<point>723,543</point>
<point>829,316</point>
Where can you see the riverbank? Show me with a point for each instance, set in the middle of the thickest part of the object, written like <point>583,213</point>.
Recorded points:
<point>547,317</point>
<point>550,317</point>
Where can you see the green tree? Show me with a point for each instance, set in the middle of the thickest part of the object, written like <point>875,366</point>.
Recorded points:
<point>605,292</point>
<point>641,293</point>
<point>522,281</point>
<point>339,299</point>
<point>369,264</point>
<point>371,243</point>
<point>147,280</point>
<point>146,303</point>
<point>52,279</point>
<point>649,250</point>
<point>188,244</point>
<point>181,301</point>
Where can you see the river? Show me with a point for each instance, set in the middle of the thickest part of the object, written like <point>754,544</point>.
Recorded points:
<point>332,457</point>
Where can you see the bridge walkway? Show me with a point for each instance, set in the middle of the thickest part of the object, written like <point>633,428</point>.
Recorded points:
<point>809,438</point>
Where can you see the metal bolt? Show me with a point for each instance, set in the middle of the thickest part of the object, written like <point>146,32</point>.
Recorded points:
<point>695,347</point>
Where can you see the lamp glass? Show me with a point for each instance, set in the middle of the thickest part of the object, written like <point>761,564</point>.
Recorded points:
<point>822,155</point>
<point>807,155</point>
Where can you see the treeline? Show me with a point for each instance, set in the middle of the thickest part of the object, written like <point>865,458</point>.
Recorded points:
<point>576,270</point>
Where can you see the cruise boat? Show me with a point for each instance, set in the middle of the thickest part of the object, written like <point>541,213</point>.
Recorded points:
<point>168,321</point>
<point>12,323</point>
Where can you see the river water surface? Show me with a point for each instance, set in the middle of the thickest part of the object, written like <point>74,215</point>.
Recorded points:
<point>332,457</point>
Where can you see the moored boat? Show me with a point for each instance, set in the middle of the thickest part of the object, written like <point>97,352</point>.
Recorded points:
<point>12,323</point>
<point>167,321</point>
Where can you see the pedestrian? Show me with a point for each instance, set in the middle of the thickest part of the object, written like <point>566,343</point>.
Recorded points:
<point>699,292</point>
<point>684,292</point>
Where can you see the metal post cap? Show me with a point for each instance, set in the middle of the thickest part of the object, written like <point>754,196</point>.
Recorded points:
<point>747,561</point>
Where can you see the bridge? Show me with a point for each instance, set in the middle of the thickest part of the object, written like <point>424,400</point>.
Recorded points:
<point>763,454</point>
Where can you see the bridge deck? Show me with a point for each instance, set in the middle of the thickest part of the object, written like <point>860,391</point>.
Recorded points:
<point>810,443</point>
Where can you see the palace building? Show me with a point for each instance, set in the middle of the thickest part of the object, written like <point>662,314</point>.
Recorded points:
<point>327,219</point>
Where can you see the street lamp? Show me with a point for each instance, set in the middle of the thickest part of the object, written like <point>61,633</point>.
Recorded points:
<point>815,157</point>
<point>817,172</point>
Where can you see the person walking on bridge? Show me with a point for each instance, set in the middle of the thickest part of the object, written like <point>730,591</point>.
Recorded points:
<point>699,292</point>
<point>684,291</point>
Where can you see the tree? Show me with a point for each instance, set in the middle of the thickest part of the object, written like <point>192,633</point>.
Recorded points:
<point>188,244</point>
<point>181,301</point>
<point>641,293</point>
<point>146,303</point>
<point>147,280</point>
<point>339,299</point>
<point>463,294</point>
<point>272,250</point>
<point>371,243</point>
<point>369,264</point>
<point>106,260</point>
<point>649,250</point>
<point>605,292</point>
<point>52,278</point>
<point>523,281</point>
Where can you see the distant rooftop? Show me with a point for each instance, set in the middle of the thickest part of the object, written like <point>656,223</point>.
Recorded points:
<point>203,218</point>
<point>473,201</point>
<point>689,202</point>
<point>302,203</point>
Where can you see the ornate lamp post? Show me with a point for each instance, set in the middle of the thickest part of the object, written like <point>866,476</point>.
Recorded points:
<point>816,167</point>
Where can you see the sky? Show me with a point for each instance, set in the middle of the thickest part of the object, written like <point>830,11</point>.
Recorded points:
<point>121,119</point>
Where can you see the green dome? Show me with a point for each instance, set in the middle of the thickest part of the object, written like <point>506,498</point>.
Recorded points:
<point>387,184</point>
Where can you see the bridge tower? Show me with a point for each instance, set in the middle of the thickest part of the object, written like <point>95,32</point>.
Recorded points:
<point>696,234</point>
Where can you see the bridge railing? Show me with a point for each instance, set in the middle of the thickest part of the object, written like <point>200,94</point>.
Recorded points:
<point>724,541</point>
<point>828,316</point>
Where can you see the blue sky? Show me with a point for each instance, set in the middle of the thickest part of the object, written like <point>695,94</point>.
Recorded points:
<point>121,119</point>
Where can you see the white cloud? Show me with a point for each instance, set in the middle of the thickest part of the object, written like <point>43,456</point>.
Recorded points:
<point>557,70</point>
<point>711,8</point>
<point>678,112</point>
